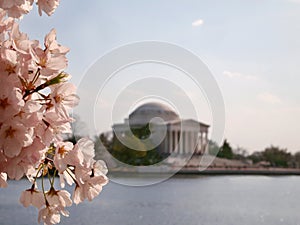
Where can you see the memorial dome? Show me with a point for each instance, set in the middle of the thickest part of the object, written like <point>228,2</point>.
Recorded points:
<point>144,113</point>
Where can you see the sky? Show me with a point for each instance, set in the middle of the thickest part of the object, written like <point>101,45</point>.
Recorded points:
<point>252,48</point>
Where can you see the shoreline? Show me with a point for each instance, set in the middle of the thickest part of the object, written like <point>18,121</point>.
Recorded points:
<point>214,171</point>
<point>254,171</point>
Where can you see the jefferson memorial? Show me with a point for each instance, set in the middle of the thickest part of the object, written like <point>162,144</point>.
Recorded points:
<point>180,136</point>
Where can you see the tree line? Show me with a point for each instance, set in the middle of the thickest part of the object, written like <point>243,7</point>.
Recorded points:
<point>273,156</point>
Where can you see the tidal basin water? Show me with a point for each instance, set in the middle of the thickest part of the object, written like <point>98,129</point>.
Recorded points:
<point>182,200</point>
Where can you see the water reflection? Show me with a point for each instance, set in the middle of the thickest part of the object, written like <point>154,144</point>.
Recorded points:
<point>222,200</point>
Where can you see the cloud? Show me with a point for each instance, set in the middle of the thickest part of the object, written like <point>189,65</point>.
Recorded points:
<point>239,75</point>
<point>268,97</point>
<point>231,74</point>
<point>198,23</point>
<point>294,1</point>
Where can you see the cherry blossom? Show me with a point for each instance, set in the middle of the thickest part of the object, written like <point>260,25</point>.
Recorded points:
<point>63,97</point>
<point>85,149</point>
<point>68,176</point>
<point>3,178</point>
<point>5,24</point>
<point>47,6</point>
<point>100,168</point>
<point>14,136</point>
<point>52,59</point>
<point>32,197</point>
<point>61,158</point>
<point>53,46</point>
<point>89,189</point>
<point>35,102</point>
<point>89,182</point>
<point>60,197</point>
<point>11,100</point>
<point>16,8</point>
<point>50,214</point>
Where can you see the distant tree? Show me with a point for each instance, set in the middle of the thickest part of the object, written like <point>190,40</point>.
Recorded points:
<point>78,128</point>
<point>256,157</point>
<point>226,151</point>
<point>103,143</point>
<point>141,157</point>
<point>240,153</point>
<point>296,159</point>
<point>276,156</point>
<point>106,139</point>
<point>213,147</point>
<point>142,132</point>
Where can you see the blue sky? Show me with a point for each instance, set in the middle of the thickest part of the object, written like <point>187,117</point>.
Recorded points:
<point>252,48</point>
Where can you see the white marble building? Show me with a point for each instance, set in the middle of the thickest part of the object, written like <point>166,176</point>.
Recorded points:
<point>181,137</point>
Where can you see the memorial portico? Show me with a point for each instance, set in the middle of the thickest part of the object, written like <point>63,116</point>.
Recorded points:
<point>182,136</point>
<point>186,137</point>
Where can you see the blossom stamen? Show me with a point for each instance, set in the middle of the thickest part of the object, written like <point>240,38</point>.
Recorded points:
<point>62,151</point>
<point>10,132</point>
<point>4,103</point>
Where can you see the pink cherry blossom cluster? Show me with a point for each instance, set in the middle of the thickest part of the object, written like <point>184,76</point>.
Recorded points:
<point>35,99</point>
<point>17,8</point>
<point>74,164</point>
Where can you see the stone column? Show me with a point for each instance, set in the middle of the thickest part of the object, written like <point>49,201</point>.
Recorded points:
<point>188,142</point>
<point>181,143</point>
<point>176,142</point>
<point>166,147</point>
<point>170,141</point>
<point>189,150</point>
<point>193,137</point>
<point>179,134</point>
<point>173,141</point>
<point>185,148</point>
<point>191,142</point>
<point>206,142</point>
<point>201,141</point>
